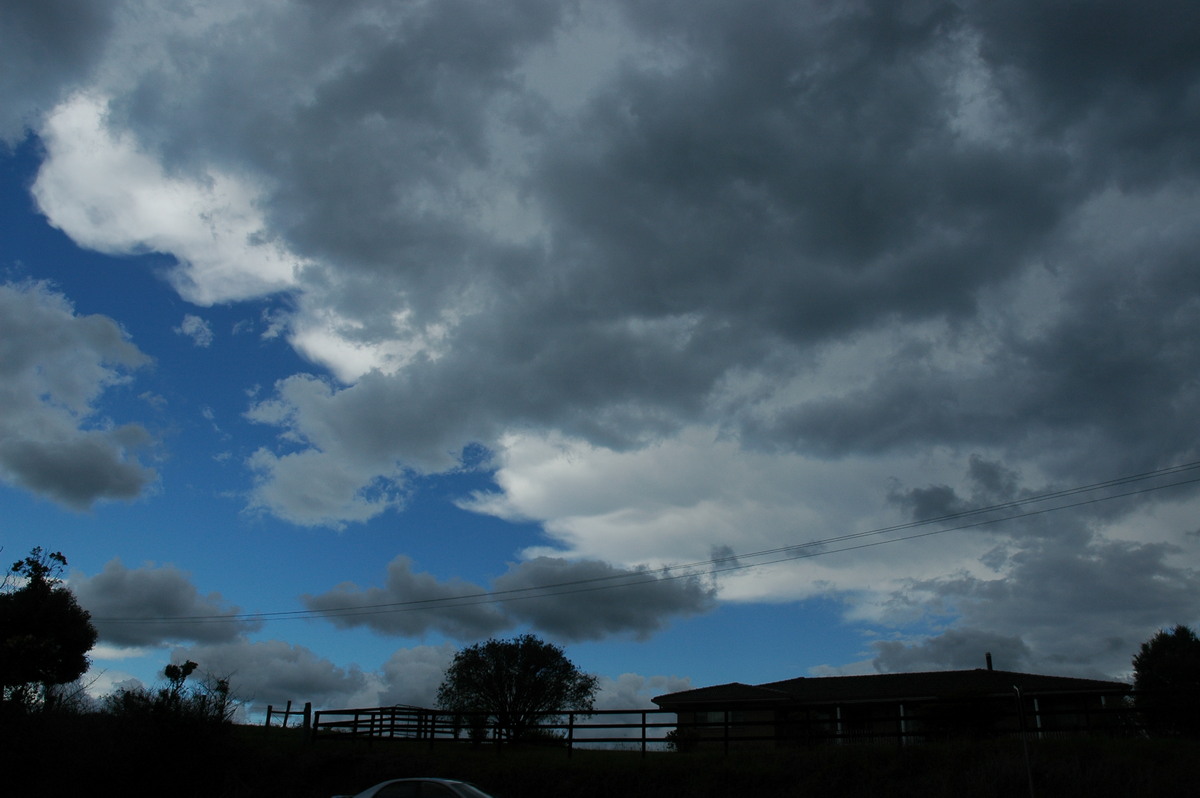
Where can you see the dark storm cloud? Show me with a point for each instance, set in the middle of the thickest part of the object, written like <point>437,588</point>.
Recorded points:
<point>759,181</point>
<point>957,649</point>
<point>570,601</point>
<point>377,109</point>
<point>794,173</point>
<point>784,181</point>
<point>54,367</point>
<point>594,600</point>
<point>125,603</point>
<point>1073,607</point>
<point>865,234</point>
<point>1105,88</point>
<point>989,484</point>
<point>46,48</point>
<point>1056,594</point>
<point>411,604</point>
<point>1119,78</point>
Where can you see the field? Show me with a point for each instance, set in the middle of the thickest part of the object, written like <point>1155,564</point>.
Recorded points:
<point>76,755</point>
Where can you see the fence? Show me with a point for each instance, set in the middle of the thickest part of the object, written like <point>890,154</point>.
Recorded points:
<point>1036,716</point>
<point>640,728</point>
<point>286,714</point>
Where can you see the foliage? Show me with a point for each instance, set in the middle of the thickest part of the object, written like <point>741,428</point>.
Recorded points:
<point>514,683</point>
<point>44,634</point>
<point>207,703</point>
<point>1166,681</point>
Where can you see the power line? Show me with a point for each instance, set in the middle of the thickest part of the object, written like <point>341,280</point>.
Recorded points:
<point>734,562</point>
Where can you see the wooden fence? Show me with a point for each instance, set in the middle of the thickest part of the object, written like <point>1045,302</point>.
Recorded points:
<point>1030,716</point>
<point>642,729</point>
<point>287,713</point>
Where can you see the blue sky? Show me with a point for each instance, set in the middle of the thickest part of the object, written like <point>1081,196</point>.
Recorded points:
<point>306,309</point>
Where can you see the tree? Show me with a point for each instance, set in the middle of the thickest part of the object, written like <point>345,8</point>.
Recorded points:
<point>176,705</point>
<point>515,683</point>
<point>1166,681</point>
<point>44,634</point>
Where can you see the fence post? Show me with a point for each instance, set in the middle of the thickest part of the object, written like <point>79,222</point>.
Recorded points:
<point>643,733</point>
<point>1024,738</point>
<point>268,723</point>
<point>307,714</point>
<point>570,734</point>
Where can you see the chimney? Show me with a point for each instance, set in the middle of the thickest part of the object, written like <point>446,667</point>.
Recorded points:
<point>988,656</point>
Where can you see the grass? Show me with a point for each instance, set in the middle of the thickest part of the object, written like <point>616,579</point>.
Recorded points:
<point>85,754</point>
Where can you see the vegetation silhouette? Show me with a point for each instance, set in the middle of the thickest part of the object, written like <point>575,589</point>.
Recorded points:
<point>1166,683</point>
<point>207,705</point>
<point>511,684</point>
<point>45,636</point>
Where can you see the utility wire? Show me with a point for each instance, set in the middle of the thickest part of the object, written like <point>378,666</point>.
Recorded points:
<point>733,562</point>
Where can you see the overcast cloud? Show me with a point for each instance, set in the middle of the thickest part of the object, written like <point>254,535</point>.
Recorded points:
<point>731,275</point>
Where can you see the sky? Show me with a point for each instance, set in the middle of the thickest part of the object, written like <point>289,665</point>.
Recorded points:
<point>710,341</point>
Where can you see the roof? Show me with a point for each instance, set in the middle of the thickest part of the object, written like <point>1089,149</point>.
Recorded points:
<point>885,687</point>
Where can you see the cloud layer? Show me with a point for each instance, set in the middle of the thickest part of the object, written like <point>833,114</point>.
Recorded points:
<point>736,276</point>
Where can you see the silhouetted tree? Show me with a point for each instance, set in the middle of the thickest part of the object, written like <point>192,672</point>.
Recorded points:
<point>1166,681</point>
<point>177,704</point>
<point>513,682</point>
<point>44,634</point>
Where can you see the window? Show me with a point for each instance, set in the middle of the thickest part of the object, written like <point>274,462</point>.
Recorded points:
<point>718,716</point>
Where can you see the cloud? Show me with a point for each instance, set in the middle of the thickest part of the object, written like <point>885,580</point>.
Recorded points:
<point>699,495</point>
<point>592,600</point>
<point>49,47</point>
<point>197,329</point>
<point>569,601</point>
<point>956,649</point>
<point>54,367</point>
<point>275,672</point>
<point>702,277</point>
<point>155,605</point>
<point>1076,608</point>
<point>632,690</point>
<point>411,604</point>
<point>411,676</point>
<point>102,190</point>
<point>764,227</point>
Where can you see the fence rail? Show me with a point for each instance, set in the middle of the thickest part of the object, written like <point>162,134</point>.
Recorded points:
<point>1037,716</point>
<point>644,728</point>
<point>287,713</point>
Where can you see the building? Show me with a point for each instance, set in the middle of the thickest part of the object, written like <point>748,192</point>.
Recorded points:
<point>895,707</point>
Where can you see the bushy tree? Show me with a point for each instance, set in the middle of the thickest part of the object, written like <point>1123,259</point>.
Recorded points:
<point>45,635</point>
<point>207,703</point>
<point>515,683</point>
<point>1166,681</point>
